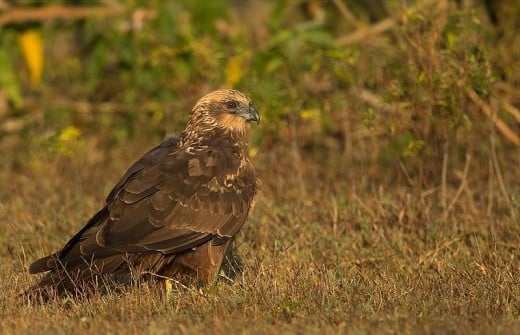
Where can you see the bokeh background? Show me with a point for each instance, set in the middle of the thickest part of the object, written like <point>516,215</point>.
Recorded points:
<point>388,152</point>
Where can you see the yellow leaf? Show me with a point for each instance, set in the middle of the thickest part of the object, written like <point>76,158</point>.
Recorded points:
<point>234,70</point>
<point>168,285</point>
<point>157,116</point>
<point>69,141</point>
<point>311,114</point>
<point>30,42</point>
<point>69,134</point>
<point>253,151</point>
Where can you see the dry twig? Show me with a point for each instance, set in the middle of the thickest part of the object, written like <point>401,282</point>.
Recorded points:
<point>347,14</point>
<point>444,175</point>
<point>24,14</point>
<point>382,26</point>
<point>460,189</point>
<point>504,129</point>
<point>511,110</point>
<point>498,172</point>
<point>363,33</point>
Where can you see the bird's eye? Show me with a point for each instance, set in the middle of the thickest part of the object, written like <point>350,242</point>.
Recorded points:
<point>231,104</point>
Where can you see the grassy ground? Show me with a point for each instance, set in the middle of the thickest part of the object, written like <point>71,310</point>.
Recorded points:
<point>320,254</point>
<point>390,177</point>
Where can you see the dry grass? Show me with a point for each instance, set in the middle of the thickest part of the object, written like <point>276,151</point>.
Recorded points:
<point>390,199</point>
<point>346,255</point>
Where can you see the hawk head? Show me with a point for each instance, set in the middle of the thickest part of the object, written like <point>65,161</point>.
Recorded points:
<point>225,108</point>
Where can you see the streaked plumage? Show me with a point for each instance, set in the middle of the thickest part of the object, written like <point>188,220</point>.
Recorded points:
<point>175,211</point>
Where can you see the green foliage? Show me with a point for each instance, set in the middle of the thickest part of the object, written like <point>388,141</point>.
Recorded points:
<point>138,74</point>
<point>9,82</point>
<point>405,145</point>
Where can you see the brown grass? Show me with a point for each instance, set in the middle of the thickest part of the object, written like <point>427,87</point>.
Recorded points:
<point>351,256</point>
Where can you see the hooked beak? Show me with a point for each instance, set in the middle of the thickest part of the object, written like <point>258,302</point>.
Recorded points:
<point>250,114</point>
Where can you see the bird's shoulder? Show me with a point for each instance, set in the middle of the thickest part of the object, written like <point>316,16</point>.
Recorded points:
<point>194,175</point>
<point>152,157</point>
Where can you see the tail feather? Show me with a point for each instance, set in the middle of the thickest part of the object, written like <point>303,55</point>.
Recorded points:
<point>42,264</point>
<point>100,274</point>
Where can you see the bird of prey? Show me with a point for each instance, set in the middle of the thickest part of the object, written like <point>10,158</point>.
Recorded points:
<point>174,212</point>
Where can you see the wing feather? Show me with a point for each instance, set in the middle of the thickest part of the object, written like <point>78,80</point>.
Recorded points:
<point>153,156</point>
<point>169,201</point>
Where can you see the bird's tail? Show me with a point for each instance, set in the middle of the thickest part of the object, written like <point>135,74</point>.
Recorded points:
<point>82,280</point>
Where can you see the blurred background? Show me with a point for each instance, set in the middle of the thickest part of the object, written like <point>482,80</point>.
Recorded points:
<point>391,87</point>
<point>374,82</point>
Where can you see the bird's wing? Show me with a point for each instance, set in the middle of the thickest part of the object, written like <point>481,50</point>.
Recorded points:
<point>152,157</point>
<point>178,203</point>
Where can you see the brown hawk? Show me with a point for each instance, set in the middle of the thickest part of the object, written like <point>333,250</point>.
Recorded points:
<point>174,212</point>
